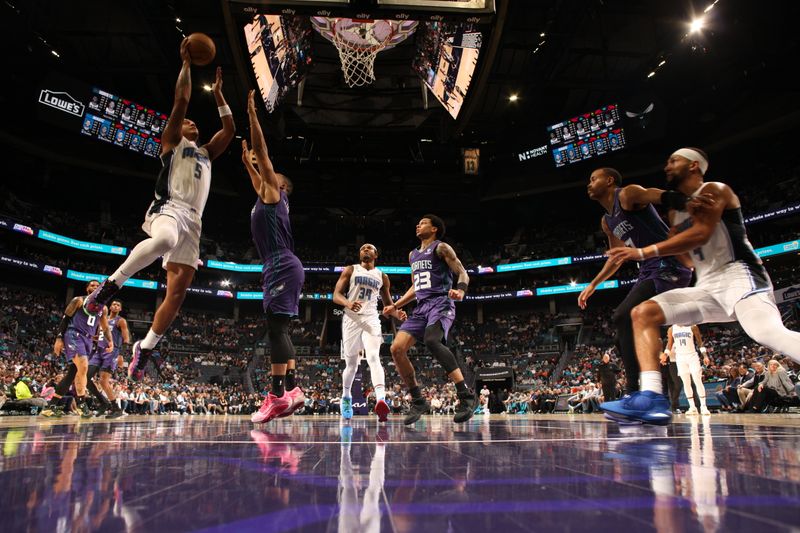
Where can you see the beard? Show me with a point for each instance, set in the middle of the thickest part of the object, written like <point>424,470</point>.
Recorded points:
<point>675,181</point>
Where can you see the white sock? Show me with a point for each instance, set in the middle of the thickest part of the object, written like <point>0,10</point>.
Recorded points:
<point>651,380</point>
<point>150,340</point>
<point>380,392</point>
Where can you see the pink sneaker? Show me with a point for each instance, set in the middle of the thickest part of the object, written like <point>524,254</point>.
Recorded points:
<point>298,400</point>
<point>382,410</point>
<point>271,408</point>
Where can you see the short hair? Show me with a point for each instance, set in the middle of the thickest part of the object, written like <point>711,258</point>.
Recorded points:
<point>118,301</point>
<point>613,173</point>
<point>437,223</point>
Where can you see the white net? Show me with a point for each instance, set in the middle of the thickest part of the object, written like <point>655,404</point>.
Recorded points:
<point>358,44</point>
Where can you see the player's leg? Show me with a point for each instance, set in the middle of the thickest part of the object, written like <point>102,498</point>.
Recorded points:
<point>82,364</point>
<point>691,305</point>
<point>761,320</point>
<point>696,372</point>
<point>625,338</point>
<point>402,343</point>
<point>277,401</point>
<point>90,374</point>
<point>434,340</point>
<point>179,277</point>
<point>685,373</point>
<point>164,234</point>
<point>105,384</point>
<point>372,339</point>
<point>351,347</point>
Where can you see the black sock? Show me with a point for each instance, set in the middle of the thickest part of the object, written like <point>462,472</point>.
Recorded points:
<point>278,385</point>
<point>290,384</point>
<point>416,393</point>
<point>461,387</point>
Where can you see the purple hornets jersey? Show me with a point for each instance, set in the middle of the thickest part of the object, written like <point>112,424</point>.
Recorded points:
<point>271,229</point>
<point>84,322</point>
<point>116,335</point>
<point>639,229</point>
<point>432,276</point>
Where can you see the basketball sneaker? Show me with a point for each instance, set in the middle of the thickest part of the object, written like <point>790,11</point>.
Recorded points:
<point>382,410</point>
<point>346,408</point>
<point>298,401</point>
<point>271,408</point>
<point>692,410</point>
<point>418,408</point>
<point>138,362</point>
<point>465,409</point>
<point>114,412</point>
<point>643,407</point>
<point>704,411</point>
<point>101,296</point>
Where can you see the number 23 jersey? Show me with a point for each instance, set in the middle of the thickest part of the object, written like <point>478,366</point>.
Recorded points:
<point>430,273</point>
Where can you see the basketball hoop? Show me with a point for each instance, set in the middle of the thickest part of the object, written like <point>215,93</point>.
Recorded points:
<point>359,41</point>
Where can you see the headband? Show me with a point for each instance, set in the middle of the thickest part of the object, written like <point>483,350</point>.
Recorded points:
<point>693,155</point>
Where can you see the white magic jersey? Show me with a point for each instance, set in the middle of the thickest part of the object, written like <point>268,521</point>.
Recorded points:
<point>683,341</point>
<point>728,244</point>
<point>364,288</point>
<point>185,177</point>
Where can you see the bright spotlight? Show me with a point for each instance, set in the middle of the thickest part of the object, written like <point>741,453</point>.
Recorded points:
<point>696,25</point>
<point>513,98</point>
<point>207,88</point>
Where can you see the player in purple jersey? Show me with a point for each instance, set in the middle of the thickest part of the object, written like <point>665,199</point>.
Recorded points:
<point>174,218</point>
<point>432,265</point>
<point>732,283</point>
<point>106,362</point>
<point>75,337</point>
<point>631,220</point>
<point>282,273</point>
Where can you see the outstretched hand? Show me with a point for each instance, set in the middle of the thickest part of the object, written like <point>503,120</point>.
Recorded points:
<point>251,102</point>
<point>217,85</point>
<point>186,56</point>
<point>620,254</point>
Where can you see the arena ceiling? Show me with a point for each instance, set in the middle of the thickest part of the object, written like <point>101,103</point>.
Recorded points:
<point>561,57</point>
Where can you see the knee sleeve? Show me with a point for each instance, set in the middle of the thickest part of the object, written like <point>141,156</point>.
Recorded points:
<point>434,335</point>
<point>762,321</point>
<point>282,348</point>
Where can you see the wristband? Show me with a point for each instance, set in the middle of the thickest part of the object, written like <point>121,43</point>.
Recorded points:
<point>667,353</point>
<point>703,350</point>
<point>224,110</point>
<point>462,286</point>
<point>641,254</point>
<point>655,248</point>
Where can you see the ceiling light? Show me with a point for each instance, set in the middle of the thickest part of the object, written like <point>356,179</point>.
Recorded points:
<point>709,8</point>
<point>207,88</point>
<point>541,34</point>
<point>651,74</point>
<point>513,98</point>
<point>696,25</point>
<point>663,61</point>
<point>54,53</point>
<point>177,19</point>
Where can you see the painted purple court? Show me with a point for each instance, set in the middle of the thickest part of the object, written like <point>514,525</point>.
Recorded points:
<point>504,473</point>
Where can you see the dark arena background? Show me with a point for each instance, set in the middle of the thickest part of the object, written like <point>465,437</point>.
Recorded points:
<point>491,114</point>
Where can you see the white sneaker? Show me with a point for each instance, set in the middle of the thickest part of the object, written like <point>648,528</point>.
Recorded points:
<point>704,411</point>
<point>692,411</point>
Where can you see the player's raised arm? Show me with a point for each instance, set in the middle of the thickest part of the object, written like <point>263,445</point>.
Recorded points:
<point>269,179</point>
<point>446,252</point>
<point>183,91</point>
<point>220,141</point>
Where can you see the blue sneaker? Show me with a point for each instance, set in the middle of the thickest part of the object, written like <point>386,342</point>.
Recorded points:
<point>643,407</point>
<point>346,407</point>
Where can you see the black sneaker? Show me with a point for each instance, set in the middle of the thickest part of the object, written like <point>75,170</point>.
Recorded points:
<point>114,412</point>
<point>465,408</point>
<point>418,408</point>
<point>85,411</point>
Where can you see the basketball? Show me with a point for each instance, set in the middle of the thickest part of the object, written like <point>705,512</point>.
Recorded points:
<point>201,48</point>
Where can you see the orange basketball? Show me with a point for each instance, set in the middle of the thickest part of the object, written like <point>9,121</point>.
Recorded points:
<point>201,48</point>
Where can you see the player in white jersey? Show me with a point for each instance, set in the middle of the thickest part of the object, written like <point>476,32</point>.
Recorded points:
<point>681,341</point>
<point>173,220</point>
<point>357,290</point>
<point>732,283</point>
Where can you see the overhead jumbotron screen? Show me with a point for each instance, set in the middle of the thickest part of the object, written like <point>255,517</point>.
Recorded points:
<point>447,54</point>
<point>278,47</point>
<point>586,136</point>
